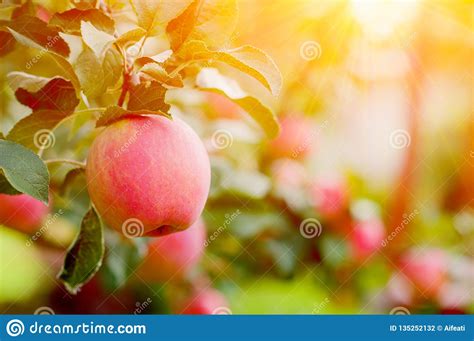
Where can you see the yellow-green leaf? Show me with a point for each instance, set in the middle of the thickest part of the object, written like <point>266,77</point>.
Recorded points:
<point>97,40</point>
<point>96,75</point>
<point>130,37</point>
<point>154,14</point>
<point>35,131</point>
<point>210,80</point>
<point>248,59</point>
<point>155,71</point>
<point>212,21</point>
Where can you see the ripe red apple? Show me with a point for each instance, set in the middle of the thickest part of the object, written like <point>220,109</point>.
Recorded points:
<point>171,257</point>
<point>426,269</point>
<point>22,212</point>
<point>222,107</point>
<point>329,196</point>
<point>205,302</point>
<point>366,238</point>
<point>148,171</point>
<point>295,141</point>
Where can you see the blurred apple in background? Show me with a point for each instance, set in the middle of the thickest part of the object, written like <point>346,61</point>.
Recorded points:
<point>205,302</point>
<point>171,257</point>
<point>222,107</point>
<point>22,212</point>
<point>366,238</point>
<point>296,139</point>
<point>92,299</point>
<point>329,196</point>
<point>426,269</point>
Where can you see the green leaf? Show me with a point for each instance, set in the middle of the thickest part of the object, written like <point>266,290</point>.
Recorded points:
<point>70,178</point>
<point>115,113</point>
<point>33,32</point>
<point>6,12</point>
<point>121,260</point>
<point>248,59</point>
<point>152,14</point>
<point>112,67</point>
<point>35,131</point>
<point>97,40</point>
<point>65,69</point>
<point>24,170</point>
<point>89,71</point>
<point>148,96</point>
<point>84,258</point>
<point>70,21</point>
<point>212,21</point>
<point>96,75</point>
<point>210,80</point>
<point>52,100</point>
<point>5,186</point>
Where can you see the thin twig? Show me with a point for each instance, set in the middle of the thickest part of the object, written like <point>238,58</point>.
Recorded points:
<point>72,162</point>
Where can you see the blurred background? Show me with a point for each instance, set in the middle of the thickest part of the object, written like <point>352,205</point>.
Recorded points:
<point>363,204</point>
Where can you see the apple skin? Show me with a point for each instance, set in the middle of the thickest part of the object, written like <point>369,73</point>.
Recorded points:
<point>148,168</point>
<point>295,140</point>
<point>22,212</point>
<point>205,302</point>
<point>170,257</point>
<point>426,269</point>
<point>366,238</point>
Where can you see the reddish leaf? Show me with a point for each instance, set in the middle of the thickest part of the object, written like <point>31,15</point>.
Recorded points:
<point>57,94</point>
<point>7,43</point>
<point>85,4</point>
<point>70,21</point>
<point>33,32</point>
